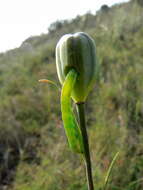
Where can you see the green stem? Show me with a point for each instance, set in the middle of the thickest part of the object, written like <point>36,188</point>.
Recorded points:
<point>81,115</point>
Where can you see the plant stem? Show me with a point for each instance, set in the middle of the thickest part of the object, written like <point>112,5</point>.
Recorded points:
<point>82,123</point>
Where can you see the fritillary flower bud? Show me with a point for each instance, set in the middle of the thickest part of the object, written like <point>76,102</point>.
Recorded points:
<point>77,51</point>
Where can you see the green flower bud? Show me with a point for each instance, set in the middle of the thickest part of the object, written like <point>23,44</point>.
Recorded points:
<point>77,51</point>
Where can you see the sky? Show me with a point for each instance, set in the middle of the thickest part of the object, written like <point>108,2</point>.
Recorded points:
<point>20,19</point>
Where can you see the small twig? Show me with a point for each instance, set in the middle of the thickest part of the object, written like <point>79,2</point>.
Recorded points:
<point>50,82</point>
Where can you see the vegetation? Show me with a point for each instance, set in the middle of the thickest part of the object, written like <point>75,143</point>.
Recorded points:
<point>33,151</point>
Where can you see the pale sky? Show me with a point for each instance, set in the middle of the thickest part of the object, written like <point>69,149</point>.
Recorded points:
<point>20,19</point>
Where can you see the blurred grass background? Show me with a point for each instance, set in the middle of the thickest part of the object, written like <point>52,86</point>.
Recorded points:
<point>33,149</point>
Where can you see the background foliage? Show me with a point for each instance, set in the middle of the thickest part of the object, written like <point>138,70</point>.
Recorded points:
<point>33,150</point>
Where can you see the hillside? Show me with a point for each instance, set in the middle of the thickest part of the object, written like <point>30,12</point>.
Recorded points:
<point>33,149</point>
